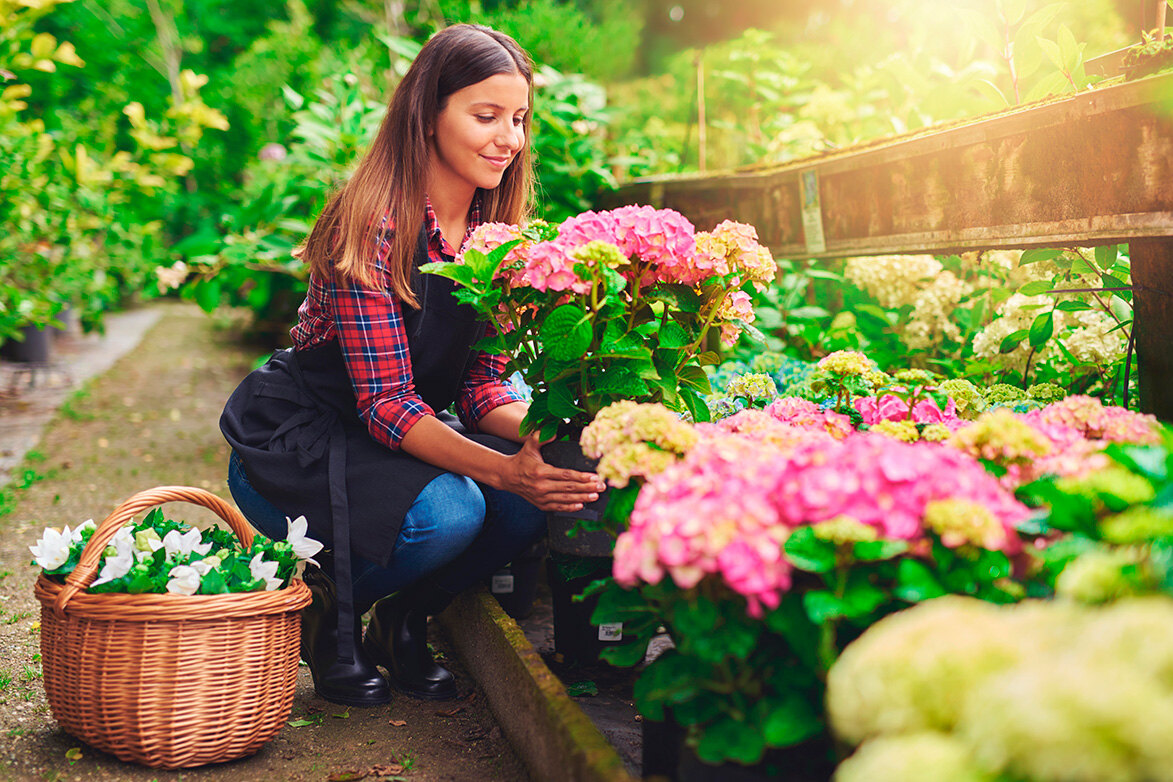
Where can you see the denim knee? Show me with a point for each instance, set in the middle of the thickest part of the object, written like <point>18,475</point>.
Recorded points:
<point>450,508</point>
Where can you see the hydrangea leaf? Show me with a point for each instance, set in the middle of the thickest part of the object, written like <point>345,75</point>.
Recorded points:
<point>789,720</point>
<point>730,739</point>
<point>566,334</point>
<point>915,582</point>
<point>807,552</point>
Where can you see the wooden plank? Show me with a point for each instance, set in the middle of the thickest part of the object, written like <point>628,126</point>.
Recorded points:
<point>1152,290</point>
<point>1093,168</point>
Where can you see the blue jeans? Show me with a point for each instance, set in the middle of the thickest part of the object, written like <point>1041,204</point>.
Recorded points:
<point>457,532</point>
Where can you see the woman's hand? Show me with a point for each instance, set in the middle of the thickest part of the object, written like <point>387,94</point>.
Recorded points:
<point>548,488</point>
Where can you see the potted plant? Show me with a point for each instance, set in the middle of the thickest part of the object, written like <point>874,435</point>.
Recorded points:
<point>605,307</point>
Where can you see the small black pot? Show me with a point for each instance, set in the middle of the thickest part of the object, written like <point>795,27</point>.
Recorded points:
<point>568,454</point>
<point>667,755</point>
<point>577,640</point>
<point>35,348</point>
<point>516,584</point>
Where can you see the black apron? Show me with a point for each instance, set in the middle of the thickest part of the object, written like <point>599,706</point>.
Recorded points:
<point>295,425</point>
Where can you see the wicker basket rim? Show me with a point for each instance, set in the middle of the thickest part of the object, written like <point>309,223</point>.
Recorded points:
<point>154,606</point>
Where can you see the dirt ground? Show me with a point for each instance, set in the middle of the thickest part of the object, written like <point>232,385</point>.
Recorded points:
<point>149,421</point>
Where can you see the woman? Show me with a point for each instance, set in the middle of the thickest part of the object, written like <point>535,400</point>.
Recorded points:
<point>348,428</point>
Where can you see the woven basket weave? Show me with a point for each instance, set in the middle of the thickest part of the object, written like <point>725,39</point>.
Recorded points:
<point>169,681</point>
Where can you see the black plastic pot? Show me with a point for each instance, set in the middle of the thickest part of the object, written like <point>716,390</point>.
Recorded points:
<point>35,348</point>
<point>516,584</point>
<point>576,639</point>
<point>667,756</point>
<point>568,454</point>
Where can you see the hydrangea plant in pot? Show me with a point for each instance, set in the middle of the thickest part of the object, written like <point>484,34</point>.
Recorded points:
<point>607,306</point>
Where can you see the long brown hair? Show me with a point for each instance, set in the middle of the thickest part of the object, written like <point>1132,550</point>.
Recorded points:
<point>391,176</point>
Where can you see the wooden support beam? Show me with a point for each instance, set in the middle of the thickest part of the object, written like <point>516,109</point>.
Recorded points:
<point>1152,289</point>
<point>1093,168</point>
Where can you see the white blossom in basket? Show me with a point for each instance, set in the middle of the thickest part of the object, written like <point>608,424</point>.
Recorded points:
<point>52,550</point>
<point>266,571</point>
<point>88,524</point>
<point>202,566</point>
<point>119,557</point>
<point>185,580</point>
<point>304,547</point>
<point>182,543</point>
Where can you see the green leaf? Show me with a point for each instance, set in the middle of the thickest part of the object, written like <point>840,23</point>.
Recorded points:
<point>915,582</point>
<point>875,550</point>
<point>696,405</point>
<point>789,720</point>
<point>730,739</point>
<point>822,606</point>
<point>1052,50</point>
<point>806,551</point>
<point>1034,256</point>
<point>1042,328</point>
<point>582,689</point>
<point>566,333</point>
<point>673,335</point>
<point>1036,287</point>
<point>1081,266</point>
<point>207,294</point>
<point>561,400</point>
<point>1012,341</point>
<point>1073,305</point>
<point>1106,256</point>
<point>695,378</point>
<point>861,597</point>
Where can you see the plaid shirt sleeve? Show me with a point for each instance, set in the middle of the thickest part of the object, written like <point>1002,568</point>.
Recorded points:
<point>369,325</point>
<point>483,388</point>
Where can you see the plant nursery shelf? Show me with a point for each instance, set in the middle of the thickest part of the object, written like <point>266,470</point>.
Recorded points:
<point>1093,168</point>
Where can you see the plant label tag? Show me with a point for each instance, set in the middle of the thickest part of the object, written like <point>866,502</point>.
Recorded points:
<point>812,212</point>
<point>611,632</point>
<point>502,584</point>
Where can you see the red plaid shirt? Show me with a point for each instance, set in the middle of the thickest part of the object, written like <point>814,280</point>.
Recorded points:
<point>368,324</point>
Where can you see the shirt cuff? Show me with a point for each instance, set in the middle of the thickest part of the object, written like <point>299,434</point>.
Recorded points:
<point>486,398</point>
<point>389,422</point>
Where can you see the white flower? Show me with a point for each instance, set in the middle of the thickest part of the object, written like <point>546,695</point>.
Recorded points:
<point>185,544</point>
<point>202,566</point>
<point>266,571</point>
<point>304,547</point>
<point>171,276</point>
<point>52,550</point>
<point>185,580</point>
<point>119,557</point>
<point>85,525</point>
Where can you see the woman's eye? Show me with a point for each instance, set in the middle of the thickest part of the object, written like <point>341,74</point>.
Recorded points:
<point>486,117</point>
<point>519,121</point>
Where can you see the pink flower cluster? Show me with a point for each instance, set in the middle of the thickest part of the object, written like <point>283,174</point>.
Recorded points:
<point>802,413</point>
<point>487,237</point>
<point>727,508</point>
<point>890,407</point>
<point>1085,417</point>
<point>733,246</point>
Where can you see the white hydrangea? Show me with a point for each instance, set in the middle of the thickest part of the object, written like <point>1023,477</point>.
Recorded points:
<point>933,307</point>
<point>892,280</point>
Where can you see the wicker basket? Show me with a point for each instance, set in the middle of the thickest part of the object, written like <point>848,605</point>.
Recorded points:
<point>170,681</point>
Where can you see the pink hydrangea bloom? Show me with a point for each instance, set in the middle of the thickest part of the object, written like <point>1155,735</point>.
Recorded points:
<point>800,412</point>
<point>549,267</point>
<point>487,237</point>
<point>727,508</point>
<point>890,407</point>
<point>1087,417</point>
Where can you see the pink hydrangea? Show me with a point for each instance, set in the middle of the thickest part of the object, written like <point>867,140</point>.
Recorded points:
<point>550,267</point>
<point>1088,418</point>
<point>890,407</point>
<point>487,237</point>
<point>663,238</point>
<point>737,306</point>
<point>727,508</point>
<point>800,412</point>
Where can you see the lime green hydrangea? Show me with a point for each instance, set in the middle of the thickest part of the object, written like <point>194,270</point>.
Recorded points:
<point>966,397</point>
<point>877,379</point>
<point>959,522</point>
<point>936,433</point>
<point>632,440</point>
<point>900,430</point>
<point>915,377</point>
<point>1001,437</point>
<point>847,362</point>
<point>1099,575</point>
<point>1113,485</point>
<point>1046,393</point>
<point>844,531</point>
<point>756,387</point>
<point>598,253</point>
<point>914,756</point>
<point>1137,524</point>
<point>1003,393</point>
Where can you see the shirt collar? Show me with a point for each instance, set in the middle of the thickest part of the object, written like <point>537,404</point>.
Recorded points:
<point>432,226</point>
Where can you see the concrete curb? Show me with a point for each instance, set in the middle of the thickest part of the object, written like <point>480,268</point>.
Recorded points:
<point>547,729</point>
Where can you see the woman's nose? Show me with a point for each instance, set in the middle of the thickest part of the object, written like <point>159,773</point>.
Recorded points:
<point>512,137</point>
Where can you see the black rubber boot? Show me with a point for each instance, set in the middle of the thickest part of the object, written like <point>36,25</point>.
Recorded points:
<point>356,683</point>
<point>397,639</point>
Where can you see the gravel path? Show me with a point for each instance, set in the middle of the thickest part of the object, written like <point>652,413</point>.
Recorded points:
<point>151,420</point>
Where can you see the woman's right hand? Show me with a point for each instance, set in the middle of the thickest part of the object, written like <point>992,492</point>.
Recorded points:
<point>549,488</point>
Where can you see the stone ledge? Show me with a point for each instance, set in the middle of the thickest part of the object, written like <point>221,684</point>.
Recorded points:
<point>547,729</point>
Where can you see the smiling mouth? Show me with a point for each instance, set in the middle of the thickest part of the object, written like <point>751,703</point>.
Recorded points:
<point>500,162</point>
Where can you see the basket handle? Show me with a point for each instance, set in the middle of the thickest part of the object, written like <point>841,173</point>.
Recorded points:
<point>87,566</point>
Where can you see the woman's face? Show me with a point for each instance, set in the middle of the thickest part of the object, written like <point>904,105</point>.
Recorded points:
<point>477,135</point>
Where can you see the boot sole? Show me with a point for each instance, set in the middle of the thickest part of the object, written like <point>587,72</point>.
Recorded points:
<point>361,703</point>
<point>383,661</point>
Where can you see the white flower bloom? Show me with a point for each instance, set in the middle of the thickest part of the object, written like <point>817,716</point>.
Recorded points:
<point>52,550</point>
<point>202,566</point>
<point>185,543</point>
<point>304,547</point>
<point>119,557</point>
<point>85,525</point>
<point>185,580</point>
<point>266,571</point>
<point>171,276</point>
<point>148,540</point>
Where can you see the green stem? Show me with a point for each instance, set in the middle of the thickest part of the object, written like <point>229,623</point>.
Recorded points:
<point>716,305</point>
